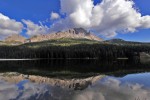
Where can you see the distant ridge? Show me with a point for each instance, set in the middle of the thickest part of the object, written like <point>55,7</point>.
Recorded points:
<point>124,42</point>
<point>117,40</point>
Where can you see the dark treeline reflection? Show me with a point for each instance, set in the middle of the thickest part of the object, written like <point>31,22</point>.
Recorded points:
<point>73,67</point>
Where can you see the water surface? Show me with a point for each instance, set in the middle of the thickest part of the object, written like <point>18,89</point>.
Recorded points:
<point>123,80</point>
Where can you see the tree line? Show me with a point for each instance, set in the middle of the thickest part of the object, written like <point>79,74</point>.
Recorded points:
<point>98,51</point>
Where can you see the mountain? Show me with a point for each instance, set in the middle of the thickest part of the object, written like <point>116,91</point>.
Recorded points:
<point>75,33</point>
<point>15,39</point>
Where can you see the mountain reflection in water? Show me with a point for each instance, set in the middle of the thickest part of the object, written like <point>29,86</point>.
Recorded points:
<point>107,88</point>
<point>123,80</point>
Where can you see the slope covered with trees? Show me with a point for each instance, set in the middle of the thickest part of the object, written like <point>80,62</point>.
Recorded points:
<point>73,48</point>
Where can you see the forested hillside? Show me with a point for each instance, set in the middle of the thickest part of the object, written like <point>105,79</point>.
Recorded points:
<point>73,48</point>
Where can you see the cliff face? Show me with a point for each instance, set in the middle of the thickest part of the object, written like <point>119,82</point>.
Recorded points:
<point>76,33</point>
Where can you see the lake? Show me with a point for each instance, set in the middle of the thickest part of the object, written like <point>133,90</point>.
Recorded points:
<point>74,79</point>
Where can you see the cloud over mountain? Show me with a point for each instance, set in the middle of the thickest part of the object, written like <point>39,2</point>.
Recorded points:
<point>9,26</point>
<point>35,29</point>
<point>108,18</point>
<point>54,16</point>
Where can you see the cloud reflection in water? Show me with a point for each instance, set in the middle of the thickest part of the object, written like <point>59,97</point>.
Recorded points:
<point>106,89</point>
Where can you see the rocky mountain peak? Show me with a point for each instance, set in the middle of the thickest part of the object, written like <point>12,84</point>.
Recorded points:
<point>15,38</point>
<point>78,31</point>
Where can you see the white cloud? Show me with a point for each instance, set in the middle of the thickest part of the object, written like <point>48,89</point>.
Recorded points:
<point>107,18</point>
<point>9,26</point>
<point>54,16</point>
<point>34,29</point>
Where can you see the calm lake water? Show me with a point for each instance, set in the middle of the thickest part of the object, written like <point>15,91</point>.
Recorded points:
<point>123,80</point>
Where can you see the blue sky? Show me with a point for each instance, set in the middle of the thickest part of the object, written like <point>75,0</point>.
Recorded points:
<point>29,9</point>
<point>40,10</point>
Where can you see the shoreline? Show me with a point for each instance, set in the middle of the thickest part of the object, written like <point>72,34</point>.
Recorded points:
<point>17,59</point>
<point>34,59</point>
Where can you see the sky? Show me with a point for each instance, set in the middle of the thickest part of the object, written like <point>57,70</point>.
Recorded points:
<point>125,19</point>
